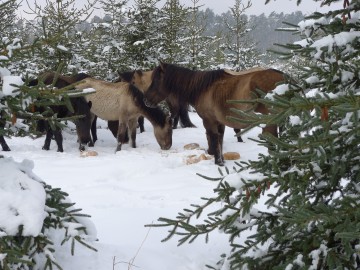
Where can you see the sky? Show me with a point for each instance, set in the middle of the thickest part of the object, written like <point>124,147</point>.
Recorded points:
<point>258,6</point>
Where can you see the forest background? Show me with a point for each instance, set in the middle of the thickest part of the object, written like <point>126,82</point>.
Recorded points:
<point>138,36</point>
<point>313,164</point>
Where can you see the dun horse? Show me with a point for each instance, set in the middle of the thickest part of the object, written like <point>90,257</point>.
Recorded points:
<point>178,108</point>
<point>81,107</point>
<point>123,102</point>
<point>208,92</point>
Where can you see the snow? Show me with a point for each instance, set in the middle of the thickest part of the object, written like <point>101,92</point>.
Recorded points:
<point>22,199</point>
<point>62,48</point>
<point>10,84</point>
<point>126,190</point>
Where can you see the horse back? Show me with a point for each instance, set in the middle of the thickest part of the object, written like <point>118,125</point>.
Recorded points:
<point>110,101</point>
<point>238,87</point>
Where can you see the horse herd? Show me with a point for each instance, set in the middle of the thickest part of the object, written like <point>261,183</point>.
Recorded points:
<point>136,95</point>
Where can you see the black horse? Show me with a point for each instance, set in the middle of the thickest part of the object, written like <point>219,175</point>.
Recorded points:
<point>3,143</point>
<point>80,106</point>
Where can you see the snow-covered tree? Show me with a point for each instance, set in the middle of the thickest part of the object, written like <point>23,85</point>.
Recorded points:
<point>197,45</point>
<point>173,25</point>
<point>101,48</point>
<point>36,219</point>
<point>297,207</point>
<point>240,50</point>
<point>56,21</point>
<point>142,34</point>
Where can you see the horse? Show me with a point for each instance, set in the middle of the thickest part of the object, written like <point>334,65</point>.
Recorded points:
<point>124,103</point>
<point>3,143</point>
<point>178,108</point>
<point>80,105</point>
<point>209,91</point>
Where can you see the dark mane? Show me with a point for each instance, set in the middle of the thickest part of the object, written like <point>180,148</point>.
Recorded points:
<point>61,80</point>
<point>80,76</point>
<point>186,83</point>
<point>125,76</point>
<point>153,114</point>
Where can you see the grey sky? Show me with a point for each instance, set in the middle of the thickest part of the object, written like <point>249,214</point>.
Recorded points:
<point>258,6</point>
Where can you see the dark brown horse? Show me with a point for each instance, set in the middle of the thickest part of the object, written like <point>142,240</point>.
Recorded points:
<point>3,143</point>
<point>80,105</point>
<point>209,91</point>
<point>178,107</point>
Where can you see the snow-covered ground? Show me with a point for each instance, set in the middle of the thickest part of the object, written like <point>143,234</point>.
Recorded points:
<point>123,191</point>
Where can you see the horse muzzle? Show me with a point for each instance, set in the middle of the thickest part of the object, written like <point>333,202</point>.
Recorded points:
<point>149,104</point>
<point>165,147</point>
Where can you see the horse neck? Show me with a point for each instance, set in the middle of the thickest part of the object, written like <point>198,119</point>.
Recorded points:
<point>155,115</point>
<point>188,84</point>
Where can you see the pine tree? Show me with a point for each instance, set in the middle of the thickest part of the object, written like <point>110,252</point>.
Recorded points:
<point>103,45</point>
<point>309,180</point>
<point>197,44</point>
<point>142,35</point>
<point>57,21</point>
<point>240,50</point>
<point>173,25</point>
<point>21,249</point>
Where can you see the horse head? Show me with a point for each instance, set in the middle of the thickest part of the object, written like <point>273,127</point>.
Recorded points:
<point>157,91</point>
<point>83,123</point>
<point>163,134</point>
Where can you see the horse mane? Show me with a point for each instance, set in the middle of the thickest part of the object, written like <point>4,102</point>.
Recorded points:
<point>186,83</point>
<point>80,76</point>
<point>155,115</point>
<point>61,80</point>
<point>125,76</point>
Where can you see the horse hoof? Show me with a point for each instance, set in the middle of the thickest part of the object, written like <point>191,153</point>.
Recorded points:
<point>219,162</point>
<point>91,144</point>
<point>7,149</point>
<point>45,148</point>
<point>82,148</point>
<point>60,150</point>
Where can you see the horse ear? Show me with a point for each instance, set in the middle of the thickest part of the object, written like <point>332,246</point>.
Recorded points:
<point>90,104</point>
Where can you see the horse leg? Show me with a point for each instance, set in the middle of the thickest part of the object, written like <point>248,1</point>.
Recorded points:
<point>59,139</point>
<point>93,131</point>
<point>132,132</point>
<point>121,135</point>
<point>184,117</point>
<point>3,143</point>
<point>175,121</point>
<point>174,111</point>
<point>49,134</point>
<point>141,124</point>
<point>272,129</point>
<point>215,140</point>
<point>221,130</point>
<point>237,130</point>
